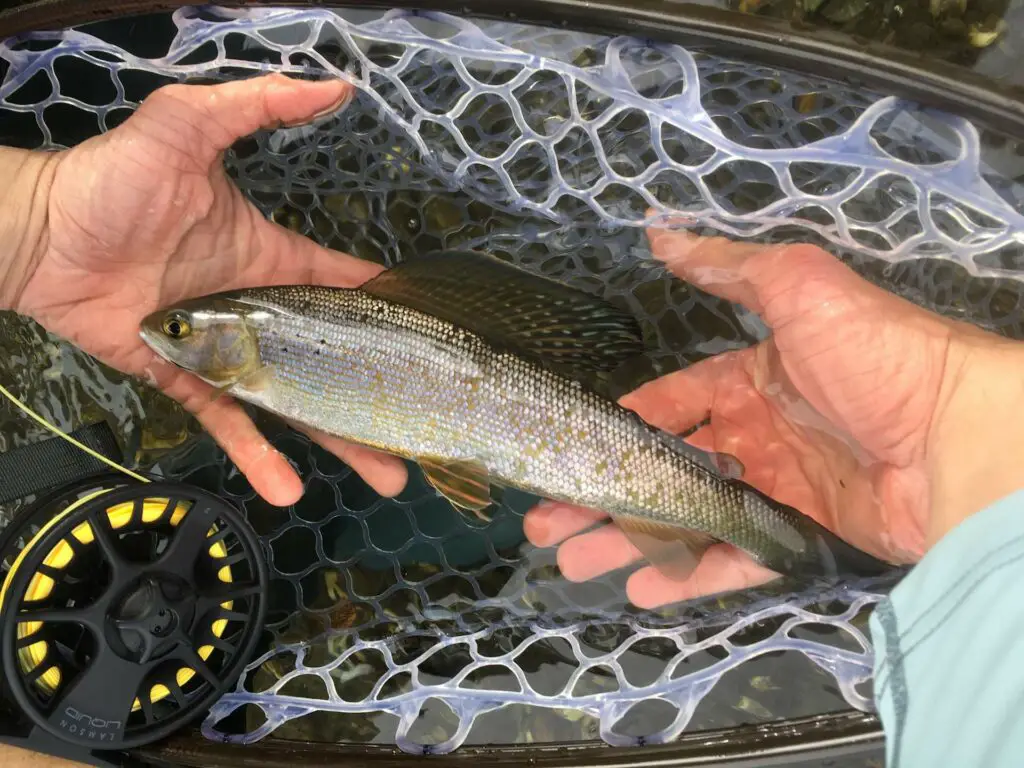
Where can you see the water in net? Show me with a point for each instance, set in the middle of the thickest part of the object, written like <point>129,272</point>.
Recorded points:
<point>400,620</point>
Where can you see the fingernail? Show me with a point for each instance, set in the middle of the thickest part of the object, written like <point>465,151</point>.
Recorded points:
<point>339,104</point>
<point>546,508</point>
<point>346,97</point>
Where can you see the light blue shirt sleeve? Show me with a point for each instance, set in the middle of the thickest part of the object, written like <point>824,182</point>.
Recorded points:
<point>949,648</point>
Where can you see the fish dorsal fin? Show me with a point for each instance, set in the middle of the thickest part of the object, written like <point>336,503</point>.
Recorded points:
<point>466,484</point>
<point>563,328</point>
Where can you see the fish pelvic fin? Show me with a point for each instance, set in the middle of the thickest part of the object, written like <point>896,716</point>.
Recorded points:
<point>672,550</point>
<point>466,484</point>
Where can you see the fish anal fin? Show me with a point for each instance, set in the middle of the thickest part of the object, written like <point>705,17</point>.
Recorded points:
<point>466,484</point>
<point>555,325</point>
<point>672,550</point>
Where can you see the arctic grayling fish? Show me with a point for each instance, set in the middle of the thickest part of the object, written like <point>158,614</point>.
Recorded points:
<point>483,373</point>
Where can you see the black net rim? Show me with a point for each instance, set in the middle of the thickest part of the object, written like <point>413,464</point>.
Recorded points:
<point>785,742</point>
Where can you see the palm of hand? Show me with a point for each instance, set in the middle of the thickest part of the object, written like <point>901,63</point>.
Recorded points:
<point>830,414</point>
<point>178,232</point>
<point>145,215</point>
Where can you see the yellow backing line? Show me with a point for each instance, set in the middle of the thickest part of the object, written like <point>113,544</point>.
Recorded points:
<point>44,423</point>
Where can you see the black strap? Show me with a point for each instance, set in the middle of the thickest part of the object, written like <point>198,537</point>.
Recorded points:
<point>54,462</point>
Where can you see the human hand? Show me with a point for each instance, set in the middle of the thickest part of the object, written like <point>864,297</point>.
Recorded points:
<point>853,411</point>
<point>145,215</point>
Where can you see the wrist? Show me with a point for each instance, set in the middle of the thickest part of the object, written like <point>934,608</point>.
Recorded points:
<point>24,218</point>
<point>975,453</point>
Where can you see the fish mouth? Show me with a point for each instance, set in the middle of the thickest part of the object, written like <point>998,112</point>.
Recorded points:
<point>154,340</point>
<point>159,344</point>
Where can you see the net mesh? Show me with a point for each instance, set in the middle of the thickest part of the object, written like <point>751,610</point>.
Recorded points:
<point>635,125</point>
<point>546,147</point>
<point>406,606</point>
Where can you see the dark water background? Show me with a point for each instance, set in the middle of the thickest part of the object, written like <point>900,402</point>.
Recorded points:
<point>980,35</point>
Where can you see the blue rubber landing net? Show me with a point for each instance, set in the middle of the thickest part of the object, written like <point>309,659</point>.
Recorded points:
<point>547,147</point>
<point>556,125</point>
<point>408,610</point>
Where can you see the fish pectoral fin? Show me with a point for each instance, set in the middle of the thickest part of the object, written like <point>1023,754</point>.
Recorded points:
<point>672,550</point>
<point>466,484</point>
<point>254,380</point>
<point>219,392</point>
<point>257,378</point>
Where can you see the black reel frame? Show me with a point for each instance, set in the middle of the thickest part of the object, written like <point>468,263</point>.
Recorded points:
<point>122,624</point>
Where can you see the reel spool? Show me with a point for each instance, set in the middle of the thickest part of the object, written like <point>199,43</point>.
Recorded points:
<point>127,608</point>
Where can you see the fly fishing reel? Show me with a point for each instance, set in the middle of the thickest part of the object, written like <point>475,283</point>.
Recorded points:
<point>127,608</point>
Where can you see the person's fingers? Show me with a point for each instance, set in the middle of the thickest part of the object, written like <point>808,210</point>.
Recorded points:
<point>269,101</point>
<point>201,121</point>
<point>550,522</point>
<point>723,568</point>
<point>386,474</point>
<point>713,264</point>
<point>677,401</point>
<point>779,282</point>
<point>283,257</point>
<point>595,553</point>
<point>266,469</point>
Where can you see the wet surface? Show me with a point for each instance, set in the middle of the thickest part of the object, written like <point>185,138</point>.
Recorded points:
<point>377,606</point>
<point>985,36</point>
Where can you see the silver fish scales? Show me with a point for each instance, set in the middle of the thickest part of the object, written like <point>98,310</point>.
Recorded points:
<point>474,409</point>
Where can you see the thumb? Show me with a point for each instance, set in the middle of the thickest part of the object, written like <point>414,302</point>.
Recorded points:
<point>201,121</point>
<point>777,281</point>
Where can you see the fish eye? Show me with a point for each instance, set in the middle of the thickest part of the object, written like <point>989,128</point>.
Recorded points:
<point>177,325</point>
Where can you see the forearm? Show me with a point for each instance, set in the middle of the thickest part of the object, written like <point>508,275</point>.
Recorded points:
<point>976,446</point>
<point>27,177</point>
